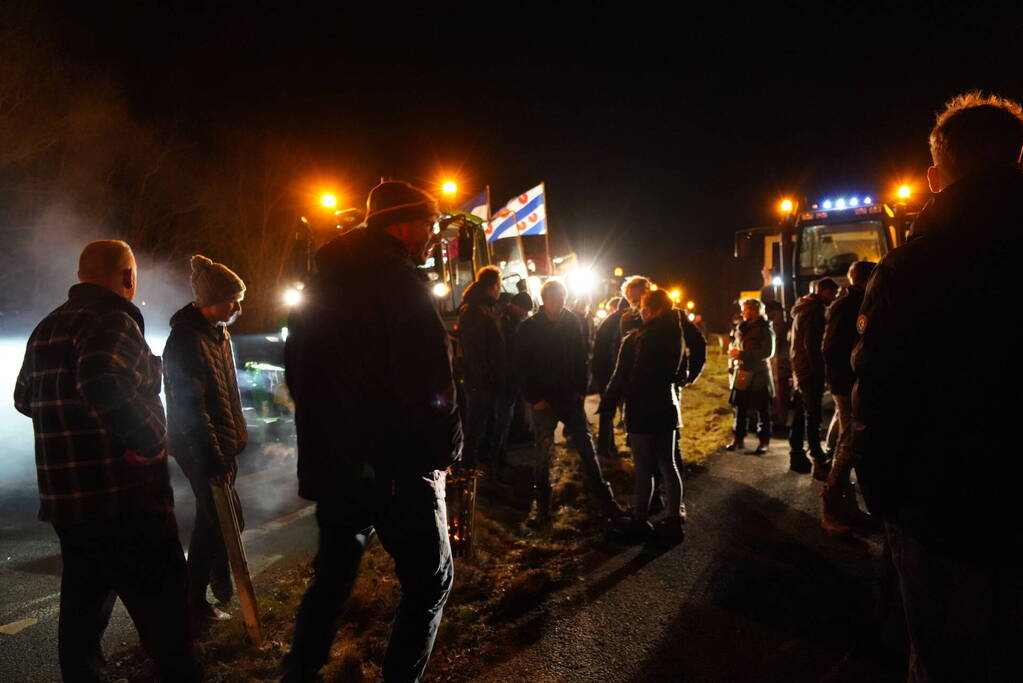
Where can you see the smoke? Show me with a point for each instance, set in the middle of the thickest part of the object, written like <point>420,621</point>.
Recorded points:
<point>47,264</point>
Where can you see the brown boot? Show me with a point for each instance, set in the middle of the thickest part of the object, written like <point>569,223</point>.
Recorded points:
<point>833,512</point>
<point>860,520</point>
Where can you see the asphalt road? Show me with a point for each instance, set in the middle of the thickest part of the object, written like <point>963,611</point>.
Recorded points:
<point>758,592</point>
<point>279,525</point>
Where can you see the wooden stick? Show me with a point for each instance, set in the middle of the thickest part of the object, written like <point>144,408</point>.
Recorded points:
<point>229,528</point>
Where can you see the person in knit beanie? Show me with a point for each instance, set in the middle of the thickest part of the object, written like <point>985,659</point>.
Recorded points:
<point>405,212</point>
<point>214,283</point>
<point>205,424</point>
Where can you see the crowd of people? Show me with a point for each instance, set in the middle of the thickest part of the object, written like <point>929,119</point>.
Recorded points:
<point>369,366</point>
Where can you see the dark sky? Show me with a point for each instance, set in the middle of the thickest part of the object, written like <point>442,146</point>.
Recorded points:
<point>659,132</point>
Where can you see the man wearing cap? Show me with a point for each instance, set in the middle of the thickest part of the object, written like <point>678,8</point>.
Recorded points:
<point>92,388</point>
<point>205,421</point>
<point>369,367</point>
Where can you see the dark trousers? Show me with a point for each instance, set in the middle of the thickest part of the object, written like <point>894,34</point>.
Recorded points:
<point>207,555</point>
<point>504,414</point>
<point>965,620</point>
<point>755,403</point>
<point>412,526</point>
<point>606,432</point>
<point>573,416</point>
<point>137,558</point>
<point>806,422</point>
<point>481,418</point>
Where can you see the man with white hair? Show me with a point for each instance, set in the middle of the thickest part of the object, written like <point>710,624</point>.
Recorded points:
<point>92,388</point>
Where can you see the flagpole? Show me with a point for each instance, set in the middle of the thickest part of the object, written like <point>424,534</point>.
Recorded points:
<point>547,229</point>
<point>490,249</point>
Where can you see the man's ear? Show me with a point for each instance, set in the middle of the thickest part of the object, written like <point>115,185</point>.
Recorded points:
<point>128,279</point>
<point>934,179</point>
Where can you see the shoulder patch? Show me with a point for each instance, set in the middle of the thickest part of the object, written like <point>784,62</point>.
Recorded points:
<point>861,323</point>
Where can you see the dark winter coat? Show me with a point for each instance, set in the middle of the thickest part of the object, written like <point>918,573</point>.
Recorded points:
<point>550,356</point>
<point>933,409</point>
<point>204,411</point>
<point>92,388</point>
<point>606,344</point>
<point>694,351</point>
<point>756,343</point>
<point>481,341</point>
<point>840,336</point>
<point>368,364</point>
<point>805,354</point>
<point>645,377</point>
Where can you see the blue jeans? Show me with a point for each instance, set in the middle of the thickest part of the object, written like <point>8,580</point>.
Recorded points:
<point>411,521</point>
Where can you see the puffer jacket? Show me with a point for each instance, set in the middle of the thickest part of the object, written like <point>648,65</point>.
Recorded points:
<point>806,355</point>
<point>205,423</point>
<point>840,336</point>
<point>756,343</point>
<point>481,341</point>
<point>645,376</point>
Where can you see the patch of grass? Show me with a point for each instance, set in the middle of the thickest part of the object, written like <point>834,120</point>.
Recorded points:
<point>513,571</point>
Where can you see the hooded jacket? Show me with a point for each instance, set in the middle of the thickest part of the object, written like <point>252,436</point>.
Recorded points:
<point>205,422</point>
<point>368,364</point>
<point>932,410</point>
<point>840,336</point>
<point>805,355</point>
<point>648,366</point>
<point>481,341</point>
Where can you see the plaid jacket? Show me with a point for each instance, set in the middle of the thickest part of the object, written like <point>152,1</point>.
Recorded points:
<point>92,388</point>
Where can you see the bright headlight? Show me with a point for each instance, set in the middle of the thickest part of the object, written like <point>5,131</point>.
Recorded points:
<point>441,290</point>
<point>292,297</point>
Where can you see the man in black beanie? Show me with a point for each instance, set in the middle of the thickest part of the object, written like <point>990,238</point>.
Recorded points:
<point>369,367</point>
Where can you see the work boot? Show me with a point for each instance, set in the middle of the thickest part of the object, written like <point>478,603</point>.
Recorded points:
<point>762,446</point>
<point>858,519</point>
<point>820,468</point>
<point>609,507</point>
<point>833,509</point>
<point>798,462</point>
<point>671,530</point>
<point>736,444</point>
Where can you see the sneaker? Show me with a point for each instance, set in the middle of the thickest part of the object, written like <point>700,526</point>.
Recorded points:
<point>735,445</point>
<point>207,613</point>
<point>222,588</point>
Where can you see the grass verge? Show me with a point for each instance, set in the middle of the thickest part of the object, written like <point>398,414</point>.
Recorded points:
<point>513,571</point>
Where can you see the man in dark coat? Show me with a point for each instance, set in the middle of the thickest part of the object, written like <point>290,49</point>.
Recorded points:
<point>515,311</point>
<point>808,378</point>
<point>839,509</point>
<point>550,356</point>
<point>606,343</point>
<point>752,392</point>
<point>369,366</point>
<point>205,420</point>
<point>929,426</point>
<point>484,358</point>
<point>92,388</point>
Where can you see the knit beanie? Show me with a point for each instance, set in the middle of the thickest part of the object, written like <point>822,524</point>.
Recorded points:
<point>394,202</point>
<point>213,283</point>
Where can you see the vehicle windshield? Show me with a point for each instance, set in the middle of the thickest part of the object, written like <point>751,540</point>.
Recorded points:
<point>829,250</point>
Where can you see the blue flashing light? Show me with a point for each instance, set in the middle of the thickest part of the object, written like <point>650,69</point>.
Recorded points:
<point>826,203</point>
<point>854,201</point>
<point>867,201</point>
<point>840,203</point>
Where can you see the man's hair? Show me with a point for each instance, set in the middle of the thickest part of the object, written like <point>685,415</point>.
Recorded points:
<point>755,303</point>
<point>635,281</point>
<point>657,300</point>
<point>488,276</point>
<point>860,271</point>
<point>826,283</point>
<point>551,285</point>
<point>103,259</point>
<point>975,132</point>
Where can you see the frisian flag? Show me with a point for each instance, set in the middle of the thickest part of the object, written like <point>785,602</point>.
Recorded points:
<point>478,206</point>
<point>522,216</point>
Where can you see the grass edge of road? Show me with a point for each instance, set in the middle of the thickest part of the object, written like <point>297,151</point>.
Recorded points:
<point>512,574</point>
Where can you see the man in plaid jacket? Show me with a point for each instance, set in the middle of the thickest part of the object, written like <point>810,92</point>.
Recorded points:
<point>91,386</point>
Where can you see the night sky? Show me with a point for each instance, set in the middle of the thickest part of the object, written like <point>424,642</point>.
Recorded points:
<point>658,132</point>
